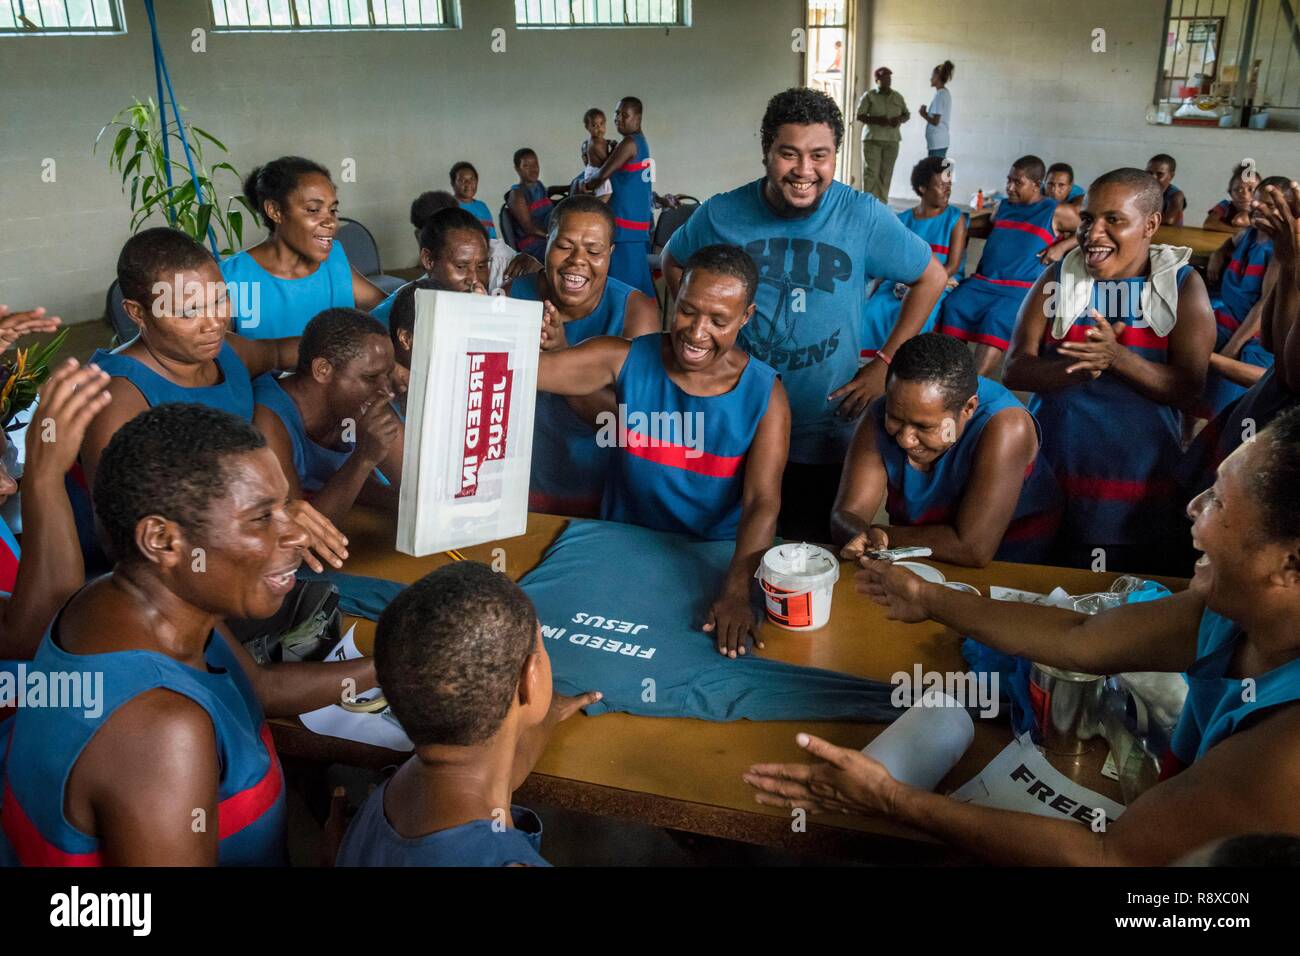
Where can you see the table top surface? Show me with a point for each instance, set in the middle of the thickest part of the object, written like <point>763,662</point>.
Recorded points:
<point>1202,242</point>
<point>700,761</point>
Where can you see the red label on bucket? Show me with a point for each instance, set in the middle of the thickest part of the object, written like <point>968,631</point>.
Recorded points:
<point>1040,700</point>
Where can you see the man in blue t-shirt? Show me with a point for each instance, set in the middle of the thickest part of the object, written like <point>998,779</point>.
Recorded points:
<point>817,243</point>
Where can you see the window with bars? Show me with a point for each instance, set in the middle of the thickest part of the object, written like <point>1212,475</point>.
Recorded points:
<point>826,60</point>
<point>565,14</point>
<point>61,17</point>
<point>1231,57</point>
<point>248,16</point>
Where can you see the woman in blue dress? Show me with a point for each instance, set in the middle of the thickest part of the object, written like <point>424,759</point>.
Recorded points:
<point>299,269</point>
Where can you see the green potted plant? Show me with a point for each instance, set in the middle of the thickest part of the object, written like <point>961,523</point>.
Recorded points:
<point>190,204</point>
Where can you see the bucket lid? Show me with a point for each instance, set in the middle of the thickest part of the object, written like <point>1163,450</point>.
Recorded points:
<point>799,566</point>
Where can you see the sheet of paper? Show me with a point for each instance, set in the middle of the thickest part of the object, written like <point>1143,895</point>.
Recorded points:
<point>469,425</point>
<point>1020,778</point>
<point>379,729</point>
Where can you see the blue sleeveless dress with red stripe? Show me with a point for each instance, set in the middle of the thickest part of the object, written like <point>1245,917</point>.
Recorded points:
<point>692,479</point>
<point>45,743</point>
<point>569,468</point>
<point>935,496</point>
<point>1240,290</point>
<point>233,393</point>
<point>1113,450</point>
<point>539,207</point>
<point>1215,707</point>
<point>883,307</point>
<point>632,203</point>
<point>1223,434</point>
<point>984,307</point>
<point>315,464</point>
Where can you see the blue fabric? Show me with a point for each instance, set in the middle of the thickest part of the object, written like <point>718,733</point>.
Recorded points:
<point>315,464</point>
<point>1013,672</point>
<point>372,841</point>
<point>1075,192</point>
<point>621,605</point>
<point>880,314</point>
<point>384,309</point>
<point>629,262</point>
<point>568,468</point>
<point>934,497</point>
<point>539,208</point>
<point>48,740</point>
<point>685,483</point>
<point>233,393</point>
<point>483,214</point>
<point>632,199</point>
<point>1241,289</point>
<point>1118,491</point>
<point>813,274</point>
<point>1261,403</point>
<point>268,307</point>
<point>1214,709</point>
<point>984,308</point>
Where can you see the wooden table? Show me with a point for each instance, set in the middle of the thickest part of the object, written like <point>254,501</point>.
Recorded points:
<point>685,774</point>
<point>1202,242</point>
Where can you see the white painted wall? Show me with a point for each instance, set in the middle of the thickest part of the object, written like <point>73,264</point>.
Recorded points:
<point>1027,82</point>
<point>404,105</point>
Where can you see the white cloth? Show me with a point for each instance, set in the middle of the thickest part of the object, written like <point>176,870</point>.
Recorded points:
<point>499,256</point>
<point>936,137</point>
<point>1159,303</point>
<point>604,189</point>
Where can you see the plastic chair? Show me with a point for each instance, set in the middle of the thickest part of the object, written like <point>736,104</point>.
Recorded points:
<point>507,224</point>
<point>124,330</point>
<point>363,254</point>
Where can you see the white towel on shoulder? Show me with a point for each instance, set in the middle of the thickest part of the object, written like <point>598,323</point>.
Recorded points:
<point>1159,303</point>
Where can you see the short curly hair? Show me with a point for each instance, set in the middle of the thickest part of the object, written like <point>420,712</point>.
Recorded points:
<point>802,106</point>
<point>337,335</point>
<point>940,359</point>
<point>170,460</point>
<point>449,651</point>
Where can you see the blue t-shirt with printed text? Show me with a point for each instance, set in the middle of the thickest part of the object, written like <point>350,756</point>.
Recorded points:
<point>813,273</point>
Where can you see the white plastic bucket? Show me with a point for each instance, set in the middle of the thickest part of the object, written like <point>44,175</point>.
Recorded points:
<point>797,582</point>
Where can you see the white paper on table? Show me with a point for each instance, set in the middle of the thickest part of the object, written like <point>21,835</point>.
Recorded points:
<point>1020,778</point>
<point>333,721</point>
<point>469,421</point>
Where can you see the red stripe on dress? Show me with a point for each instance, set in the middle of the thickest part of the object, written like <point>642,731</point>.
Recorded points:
<point>631,224</point>
<point>1225,319</point>
<point>1141,337</point>
<point>635,167</point>
<point>488,224</point>
<point>941,250</point>
<point>569,507</point>
<point>247,807</point>
<point>1033,527</point>
<point>539,204</point>
<point>32,848</point>
<point>1116,489</point>
<point>1237,266</point>
<point>8,567</point>
<point>1028,227</point>
<point>680,456</point>
<point>978,337</point>
<point>1015,283</point>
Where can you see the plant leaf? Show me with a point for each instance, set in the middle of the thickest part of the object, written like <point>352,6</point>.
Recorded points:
<point>212,139</point>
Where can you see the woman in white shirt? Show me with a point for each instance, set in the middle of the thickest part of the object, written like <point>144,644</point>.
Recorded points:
<point>938,116</point>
